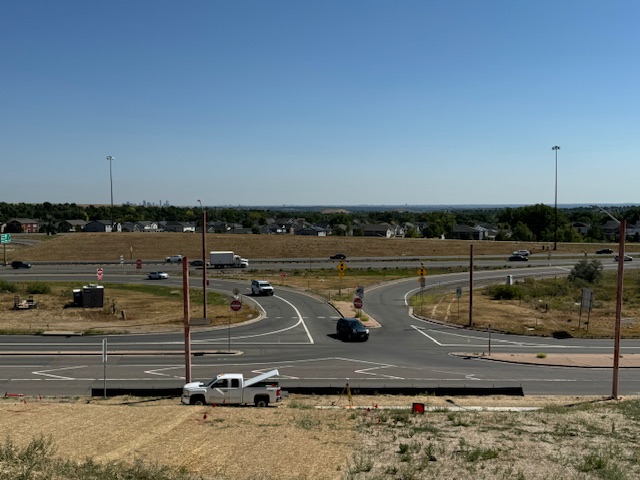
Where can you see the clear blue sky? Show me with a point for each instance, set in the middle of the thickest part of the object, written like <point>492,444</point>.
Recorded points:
<point>331,102</point>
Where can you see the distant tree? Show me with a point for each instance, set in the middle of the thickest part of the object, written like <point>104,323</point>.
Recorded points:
<point>521,233</point>
<point>588,271</point>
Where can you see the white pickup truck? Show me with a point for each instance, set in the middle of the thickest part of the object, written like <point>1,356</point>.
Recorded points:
<point>233,389</point>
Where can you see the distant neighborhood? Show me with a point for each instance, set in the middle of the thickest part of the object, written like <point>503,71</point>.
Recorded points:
<point>528,223</point>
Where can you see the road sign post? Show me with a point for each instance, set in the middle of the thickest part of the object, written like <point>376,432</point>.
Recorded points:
<point>4,239</point>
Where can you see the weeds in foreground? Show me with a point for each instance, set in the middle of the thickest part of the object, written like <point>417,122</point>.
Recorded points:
<point>37,460</point>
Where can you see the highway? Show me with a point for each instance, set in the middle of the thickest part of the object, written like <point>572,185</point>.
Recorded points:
<point>296,335</point>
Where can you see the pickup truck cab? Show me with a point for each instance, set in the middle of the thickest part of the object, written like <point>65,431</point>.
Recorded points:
<point>261,287</point>
<point>233,389</point>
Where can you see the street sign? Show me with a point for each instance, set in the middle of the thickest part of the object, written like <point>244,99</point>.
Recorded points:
<point>357,302</point>
<point>121,258</point>
<point>341,267</point>
<point>282,274</point>
<point>138,264</point>
<point>99,273</point>
<point>236,305</point>
<point>422,281</point>
<point>422,272</point>
<point>5,238</point>
<point>459,292</point>
<point>360,292</point>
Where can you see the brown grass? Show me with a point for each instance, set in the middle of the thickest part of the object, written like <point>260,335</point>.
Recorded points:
<point>145,246</point>
<point>369,437</point>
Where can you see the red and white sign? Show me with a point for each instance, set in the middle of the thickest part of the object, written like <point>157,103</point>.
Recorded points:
<point>99,273</point>
<point>357,302</point>
<point>282,274</point>
<point>138,264</point>
<point>236,305</point>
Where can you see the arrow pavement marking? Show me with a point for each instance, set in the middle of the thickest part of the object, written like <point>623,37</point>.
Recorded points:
<point>58,377</point>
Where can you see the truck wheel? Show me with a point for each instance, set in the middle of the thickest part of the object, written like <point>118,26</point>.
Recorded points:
<point>197,400</point>
<point>262,402</point>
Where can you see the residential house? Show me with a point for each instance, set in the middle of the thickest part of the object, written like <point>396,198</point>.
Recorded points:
<point>468,232</point>
<point>312,231</point>
<point>581,227</point>
<point>183,227</point>
<point>73,225</point>
<point>378,230</point>
<point>144,226</point>
<point>102,226</point>
<point>22,225</point>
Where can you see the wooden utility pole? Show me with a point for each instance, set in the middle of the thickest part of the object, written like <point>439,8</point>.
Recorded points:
<point>187,318</point>
<point>471,286</point>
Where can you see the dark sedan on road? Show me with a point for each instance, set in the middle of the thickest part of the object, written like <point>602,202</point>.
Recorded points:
<point>352,329</point>
<point>338,256</point>
<point>604,251</point>
<point>518,258</point>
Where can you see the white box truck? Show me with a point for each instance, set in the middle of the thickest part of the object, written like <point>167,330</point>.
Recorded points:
<point>234,389</point>
<point>227,259</point>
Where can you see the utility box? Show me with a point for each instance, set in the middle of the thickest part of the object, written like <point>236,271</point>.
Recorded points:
<point>509,279</point>
<point>90,296</point>
<point>93,296</point>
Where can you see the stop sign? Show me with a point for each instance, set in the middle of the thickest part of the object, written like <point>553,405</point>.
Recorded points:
<point>99,273</point>
<point>357,302</point>
<point>138,264</point>
<point>236,305</point>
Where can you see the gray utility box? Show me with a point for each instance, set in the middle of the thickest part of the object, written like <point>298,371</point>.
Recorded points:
<point>90,296</point>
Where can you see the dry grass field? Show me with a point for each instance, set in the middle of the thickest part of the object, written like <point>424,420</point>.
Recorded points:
<point>373,438</point>
<point>145,246</point>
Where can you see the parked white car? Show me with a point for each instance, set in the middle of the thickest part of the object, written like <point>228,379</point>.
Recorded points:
<point>523,253</point>
<point>157,276</point>
<point>173,259</point>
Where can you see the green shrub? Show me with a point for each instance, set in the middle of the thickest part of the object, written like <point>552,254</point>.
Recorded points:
<point>7,287</point>
<point>504,292</point>
<point>37,288</point>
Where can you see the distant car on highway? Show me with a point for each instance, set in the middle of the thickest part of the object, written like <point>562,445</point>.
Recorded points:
<point>604,250</point>
<point>198,263</point>
<point>627,258</point>
<point>173,259</point>
<point>19,264</point>
<point>524,253</point>
<point>518,258</point>
<point>157,276</point>
<point>338,256</point>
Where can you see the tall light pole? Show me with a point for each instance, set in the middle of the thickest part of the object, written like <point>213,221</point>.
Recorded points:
<point>555,209</point>
<point>204,260</point>
<point>110,158</point>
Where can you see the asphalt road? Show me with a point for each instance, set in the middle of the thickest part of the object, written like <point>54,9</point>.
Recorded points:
<point>296,336</point>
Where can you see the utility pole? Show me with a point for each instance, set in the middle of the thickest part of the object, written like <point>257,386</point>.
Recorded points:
<point>555,210</point>
<point>110,158</point>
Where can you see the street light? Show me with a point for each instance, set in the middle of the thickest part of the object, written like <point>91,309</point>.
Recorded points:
<point>555,209</point>
<point>110,158</point>
<point>204,260</point>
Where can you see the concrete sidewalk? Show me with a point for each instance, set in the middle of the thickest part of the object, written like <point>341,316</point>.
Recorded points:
<point>581,360</point>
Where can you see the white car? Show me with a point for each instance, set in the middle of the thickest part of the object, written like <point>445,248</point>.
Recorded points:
<point>157,276</point>
<point>261,287</point>
<point>173,259</point>
<point>523,253</point>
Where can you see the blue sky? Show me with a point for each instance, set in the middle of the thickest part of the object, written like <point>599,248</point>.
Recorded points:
<point>320,102</point>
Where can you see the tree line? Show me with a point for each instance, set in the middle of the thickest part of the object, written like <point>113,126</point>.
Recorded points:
<point>526,223</point>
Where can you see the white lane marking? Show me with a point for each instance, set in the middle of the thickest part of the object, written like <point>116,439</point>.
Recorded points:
<point>368,371</point>
<point>159,372</point>
<point>58,377</point>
